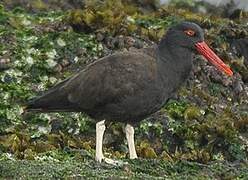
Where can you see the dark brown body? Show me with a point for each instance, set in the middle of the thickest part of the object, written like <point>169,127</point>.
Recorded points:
<point>125,87</point>
<point>122,87</point>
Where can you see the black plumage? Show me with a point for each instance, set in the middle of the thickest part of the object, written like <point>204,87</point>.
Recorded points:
<point>129,86</point>
<point>126,86</point>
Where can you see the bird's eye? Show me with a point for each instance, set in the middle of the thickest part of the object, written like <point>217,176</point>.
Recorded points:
<point>189,32</point>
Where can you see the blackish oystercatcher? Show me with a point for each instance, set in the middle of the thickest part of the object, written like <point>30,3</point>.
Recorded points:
<point>129,86</point>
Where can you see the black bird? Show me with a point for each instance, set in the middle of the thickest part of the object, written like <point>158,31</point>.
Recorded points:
<point>129,86</point>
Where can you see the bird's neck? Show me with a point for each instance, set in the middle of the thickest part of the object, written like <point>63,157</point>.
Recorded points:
<point>174,54</point>
<point>174,62</point>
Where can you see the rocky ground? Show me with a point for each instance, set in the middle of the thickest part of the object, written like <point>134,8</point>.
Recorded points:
<point>201,132</point>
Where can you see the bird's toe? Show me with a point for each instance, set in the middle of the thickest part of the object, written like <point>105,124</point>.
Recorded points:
<point>114,162</point>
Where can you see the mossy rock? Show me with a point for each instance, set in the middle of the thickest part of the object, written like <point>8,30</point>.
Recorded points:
<point>192,112</point>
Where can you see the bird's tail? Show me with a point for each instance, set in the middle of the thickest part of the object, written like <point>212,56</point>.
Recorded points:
<point>54,100</point>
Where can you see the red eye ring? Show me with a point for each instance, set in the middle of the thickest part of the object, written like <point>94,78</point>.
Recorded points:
<point>189,32</point>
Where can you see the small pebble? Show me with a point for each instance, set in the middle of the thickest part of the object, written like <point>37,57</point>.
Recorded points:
<point>130,41</point>
<point>65,63</point>
<point>100,37</point>
<point>58,68</point>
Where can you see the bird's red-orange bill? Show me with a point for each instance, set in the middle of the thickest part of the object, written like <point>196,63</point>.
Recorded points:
<point>204,50</point>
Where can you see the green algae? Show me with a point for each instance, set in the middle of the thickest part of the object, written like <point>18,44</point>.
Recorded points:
<point>71,167</point>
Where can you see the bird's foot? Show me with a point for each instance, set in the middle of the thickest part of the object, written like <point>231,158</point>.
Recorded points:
<point>99,158</point>
<point>113,162</point>
<point>134,156</point>
<point>110,161</point>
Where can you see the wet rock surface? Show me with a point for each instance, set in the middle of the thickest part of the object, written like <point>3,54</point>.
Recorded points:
<point>240,47</point>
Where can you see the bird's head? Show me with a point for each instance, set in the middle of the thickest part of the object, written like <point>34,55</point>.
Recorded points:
<point>191,36</point>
